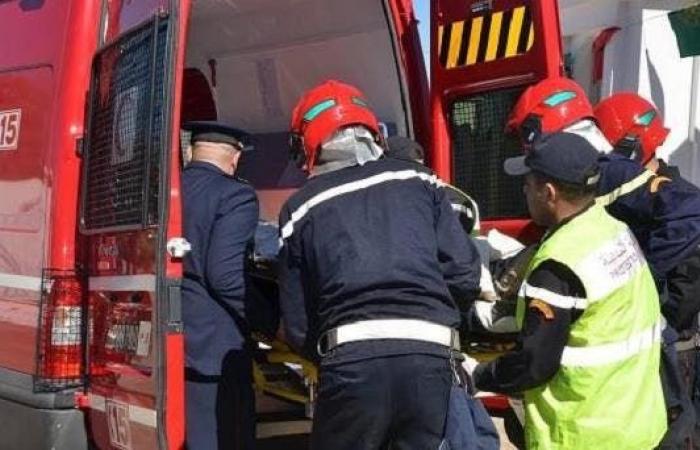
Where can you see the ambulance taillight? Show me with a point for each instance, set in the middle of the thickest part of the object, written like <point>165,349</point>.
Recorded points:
<point>60,356</point>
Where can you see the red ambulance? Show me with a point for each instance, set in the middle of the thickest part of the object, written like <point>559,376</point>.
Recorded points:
<point>92,97</point>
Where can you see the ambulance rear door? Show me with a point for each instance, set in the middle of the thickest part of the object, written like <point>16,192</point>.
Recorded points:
<point>130,229</point>
<point>483,54</point>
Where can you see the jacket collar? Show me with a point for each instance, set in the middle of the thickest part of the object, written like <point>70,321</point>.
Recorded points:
<point>558,226</point>
<point>206,166</point>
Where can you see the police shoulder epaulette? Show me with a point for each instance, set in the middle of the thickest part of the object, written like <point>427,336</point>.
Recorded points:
<point>656,183</point>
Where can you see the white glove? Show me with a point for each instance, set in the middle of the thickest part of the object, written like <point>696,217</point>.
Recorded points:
<point>501,245</point>
<point>493,317</point>
<point>488,291</point>
<point>518,408</point>
<point>469,364</point>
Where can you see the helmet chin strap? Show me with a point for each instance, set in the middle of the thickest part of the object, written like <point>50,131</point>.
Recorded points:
<point>630,147</point>
<point>296,150</point>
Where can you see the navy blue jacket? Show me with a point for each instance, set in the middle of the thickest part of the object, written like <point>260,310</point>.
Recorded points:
<point>378,241</point>
<point>663,214</point>
<point>220,213</point>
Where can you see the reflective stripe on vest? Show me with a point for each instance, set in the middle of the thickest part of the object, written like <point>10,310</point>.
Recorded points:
<point>554,299</point>
<point>598,355</point>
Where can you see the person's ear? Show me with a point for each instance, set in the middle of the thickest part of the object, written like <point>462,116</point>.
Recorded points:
<point>236,156</point>
<point>550,193</point>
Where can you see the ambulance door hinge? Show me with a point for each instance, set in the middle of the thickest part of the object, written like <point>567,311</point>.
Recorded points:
<point>80,146</point>
<point>174,312</point>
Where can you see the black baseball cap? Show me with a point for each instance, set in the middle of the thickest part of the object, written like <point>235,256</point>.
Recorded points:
<point>401,147</point>
<point>565,157</point>
<point>212,131</point>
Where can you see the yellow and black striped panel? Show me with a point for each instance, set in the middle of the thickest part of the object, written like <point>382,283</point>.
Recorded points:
<point>486,38</point>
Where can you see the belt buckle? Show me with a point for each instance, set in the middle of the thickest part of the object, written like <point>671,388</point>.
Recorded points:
<point>455,344</point>
<point>328,339</point>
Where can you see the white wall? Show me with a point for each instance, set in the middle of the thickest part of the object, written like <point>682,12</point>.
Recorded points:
<point>642,57</point>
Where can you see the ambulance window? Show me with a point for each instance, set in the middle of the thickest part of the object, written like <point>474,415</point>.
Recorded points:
<point>125,141</point>
<point>479,147</point>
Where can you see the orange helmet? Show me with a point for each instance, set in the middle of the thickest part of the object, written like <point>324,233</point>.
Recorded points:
<point>547,107</point>
<point>632,125</point>
<point>322,111</point>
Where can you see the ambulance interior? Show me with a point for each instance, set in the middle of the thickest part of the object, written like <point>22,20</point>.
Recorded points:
<point>248,61</point>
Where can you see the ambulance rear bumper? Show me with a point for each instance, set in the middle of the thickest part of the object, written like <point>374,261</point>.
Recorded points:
<point>38,421</point>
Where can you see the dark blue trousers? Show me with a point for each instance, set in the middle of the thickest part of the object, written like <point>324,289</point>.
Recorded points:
<point>391,402</point>
<point>220,409</point>
<point>681,413</point>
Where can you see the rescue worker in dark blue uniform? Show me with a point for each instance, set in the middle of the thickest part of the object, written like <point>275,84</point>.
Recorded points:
<point>635,129</point>
<point>220,213</point>
<point>374,269</point>
<point>663,215</point>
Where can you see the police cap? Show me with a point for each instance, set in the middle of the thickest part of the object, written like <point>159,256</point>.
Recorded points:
<point>562,156</point>
<point>404,148</point>
<point>211,131</point>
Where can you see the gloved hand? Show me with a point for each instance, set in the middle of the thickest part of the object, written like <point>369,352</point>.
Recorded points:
<point>502,246</point>
<point>488,290</point>
<point>496,245</point>
<point>469,364</point>
<point>497,317</point>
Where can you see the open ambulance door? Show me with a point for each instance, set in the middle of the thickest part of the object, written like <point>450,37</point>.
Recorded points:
<point>129,224</point>
<point>483,55</point>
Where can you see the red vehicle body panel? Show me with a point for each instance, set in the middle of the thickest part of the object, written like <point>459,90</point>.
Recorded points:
<point>174,401</point>
<point>408,39</point>
<point>47,78</point>
<point>136,398</point>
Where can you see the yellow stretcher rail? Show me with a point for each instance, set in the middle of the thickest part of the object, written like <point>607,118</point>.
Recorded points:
<point>280,353</point>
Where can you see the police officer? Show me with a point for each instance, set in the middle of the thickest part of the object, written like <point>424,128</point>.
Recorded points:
<point>373,266</point>
<point>663,216</point>
<point>591,326</point>
<point>220,213</point>
<point>635,129</point>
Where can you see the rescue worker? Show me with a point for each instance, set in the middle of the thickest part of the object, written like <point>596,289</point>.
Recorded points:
<point>635,129</point>
<point>373,269</point>
<point>663,216</point>
<point>220,213</point>
<point>588,358</point>
<point>656,218</point>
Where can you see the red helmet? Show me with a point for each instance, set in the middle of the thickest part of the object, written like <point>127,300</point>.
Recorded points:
<point>632,125</point>
<point>322,111</point>
<point>547,107</point>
